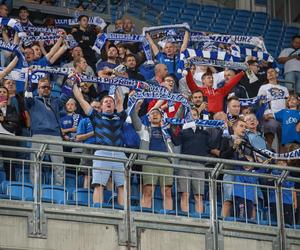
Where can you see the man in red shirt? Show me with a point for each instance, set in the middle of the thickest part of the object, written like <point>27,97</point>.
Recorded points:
<point>215,97</point>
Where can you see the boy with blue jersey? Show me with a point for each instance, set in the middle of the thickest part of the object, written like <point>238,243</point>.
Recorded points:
<point>245,196</point>
<point>289,198</point>
<point>70,121</point>
<point>289,119</point>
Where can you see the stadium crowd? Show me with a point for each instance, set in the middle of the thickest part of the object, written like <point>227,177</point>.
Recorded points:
<point>91,114</point>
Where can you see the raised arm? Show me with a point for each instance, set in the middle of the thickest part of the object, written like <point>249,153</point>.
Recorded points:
<point>185,42</point>
<point>9,68</point>
<point>191,83</point>
<point>153,46</point>
<point>119,101</point>
<point>58,54</point>
<point>79,97</point>
<point>231,83</point>
<point>55,48</point>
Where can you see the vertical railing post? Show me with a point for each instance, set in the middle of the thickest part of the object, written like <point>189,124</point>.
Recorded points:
<point>37,221</point>
<point>213,211</point>
<point>213,203</point>
<point>127,196</point>
<point>279,209</point>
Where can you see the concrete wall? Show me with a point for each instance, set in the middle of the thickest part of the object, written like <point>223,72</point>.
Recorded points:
<point>62,235</point>
<point>231,243</point>
<point>157,239</point>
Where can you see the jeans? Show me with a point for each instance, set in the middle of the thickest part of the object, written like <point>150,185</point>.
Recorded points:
<point>293,76</point>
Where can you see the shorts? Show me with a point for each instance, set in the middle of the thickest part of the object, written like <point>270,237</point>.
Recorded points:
<point>184,184</point>
<point>153,179</point>
<point>227,187</point>
<point>115,168</point>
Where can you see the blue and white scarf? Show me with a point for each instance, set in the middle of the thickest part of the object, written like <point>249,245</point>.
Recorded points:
<point>16,74</point>
<point>101,40</point>
<point>285,156</point>
<point>14,24</point>
<point>167,30</point>
<point>198,122</point>
<point>71,42</point>
<point>97,21</point>
<point>15,48</point>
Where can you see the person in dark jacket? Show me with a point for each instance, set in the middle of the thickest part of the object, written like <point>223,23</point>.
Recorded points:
<point>44,113</point>
<point>9,121</point>
<point>194,140</point>
<point>85,36</point>
<point>232,148</point>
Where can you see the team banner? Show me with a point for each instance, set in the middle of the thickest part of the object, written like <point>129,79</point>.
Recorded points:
<point>97,21</point>
<point>101,40</point>
<point>14,24</point>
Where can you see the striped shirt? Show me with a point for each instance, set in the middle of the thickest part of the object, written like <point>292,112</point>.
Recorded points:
<point>108,127</point>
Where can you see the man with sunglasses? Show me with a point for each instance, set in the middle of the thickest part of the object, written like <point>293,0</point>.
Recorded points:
<point>44,114</point>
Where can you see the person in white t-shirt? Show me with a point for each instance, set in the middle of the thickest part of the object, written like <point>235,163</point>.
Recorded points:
<point>276,95</point>
<point>290,57</point>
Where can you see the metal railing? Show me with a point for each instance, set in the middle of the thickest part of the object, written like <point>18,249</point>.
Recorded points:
<point>265,210</point>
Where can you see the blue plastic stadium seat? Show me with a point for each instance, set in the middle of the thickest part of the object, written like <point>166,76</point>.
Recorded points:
<point>23,175</point>
<point>210,8</point>
<point>2,175</point>
<point>82,197</point>
<point>17,190</point>
<point>192,12</point>
<point>54,194</point>
<point>261,15</point>
<point>167,20</point>
<point>70,180</point>
<point>244,13</point>
<point>227,11</point>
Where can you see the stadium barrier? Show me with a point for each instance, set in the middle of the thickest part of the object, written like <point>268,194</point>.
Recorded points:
<point>266,221</point>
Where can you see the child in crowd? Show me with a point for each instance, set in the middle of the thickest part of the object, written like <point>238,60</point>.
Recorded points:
<point>246,195</point>
<point>289,119</point>
<point>70,121</point>
<point>289,198</point>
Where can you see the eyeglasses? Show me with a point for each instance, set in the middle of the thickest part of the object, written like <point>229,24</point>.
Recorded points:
<point>45,87</point>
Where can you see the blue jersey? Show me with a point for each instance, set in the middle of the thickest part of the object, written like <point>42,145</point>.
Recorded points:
<point>108,127</point>
<point>85,126</point>
<point>70,121</point>
<point>287,194</point>
<point>170,62</point>
<point>289,119</point>
<point>157,142</point>
<point>101,66</point>
<point>249,192</point>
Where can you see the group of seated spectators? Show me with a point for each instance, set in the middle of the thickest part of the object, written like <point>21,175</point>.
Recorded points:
<point>90,115</point>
